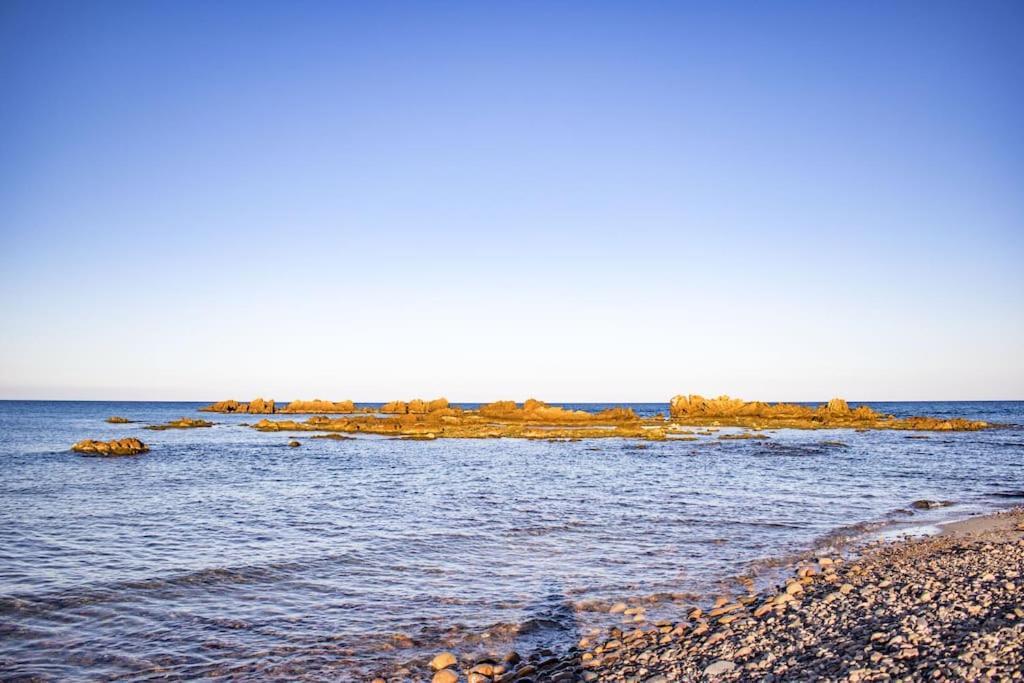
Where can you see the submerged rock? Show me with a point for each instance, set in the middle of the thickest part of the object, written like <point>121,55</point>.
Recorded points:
<point>930,504</point>
<point>117,447</point>
<point>183,423</point>
<point>118,420</point>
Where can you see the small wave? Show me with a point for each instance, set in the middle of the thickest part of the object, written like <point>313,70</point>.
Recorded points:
<point>125,591</point>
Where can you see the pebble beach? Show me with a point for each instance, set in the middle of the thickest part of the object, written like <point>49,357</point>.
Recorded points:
<point>946,607</point>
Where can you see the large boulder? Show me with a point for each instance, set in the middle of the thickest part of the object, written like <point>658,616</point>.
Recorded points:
<point>258,406</point>
<point>395,407</point>
<point>117,447</point>
<point>837,407</point>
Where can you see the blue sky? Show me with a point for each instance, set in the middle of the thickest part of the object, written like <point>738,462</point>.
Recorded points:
<point>579,201</point>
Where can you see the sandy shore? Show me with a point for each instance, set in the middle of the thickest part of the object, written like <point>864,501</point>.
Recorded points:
<point>948,607</point>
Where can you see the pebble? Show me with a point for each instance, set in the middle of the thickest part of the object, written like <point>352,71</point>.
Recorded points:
<point>443,661</point>
<point>717,668</point>
<point>445,676</point>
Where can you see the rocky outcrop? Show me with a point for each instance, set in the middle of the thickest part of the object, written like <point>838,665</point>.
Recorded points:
<point>533,410</point>
<point>183,423</point>
<point>118,420</point>
<point>415,407</point>
<point>697,410</point>
<point>117,447</point>
<point>319,406</point>
<point>395,408</point>
<point>837,406</point>
<point>257,406</point>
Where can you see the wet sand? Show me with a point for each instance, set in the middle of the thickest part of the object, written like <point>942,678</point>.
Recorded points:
<point>947,607</point>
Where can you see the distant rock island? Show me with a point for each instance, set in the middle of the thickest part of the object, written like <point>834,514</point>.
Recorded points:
<point>183,423</point>
<point>699,411</point>
<point>117,447</point>
<point>533,419</point>
<point>259,406</point>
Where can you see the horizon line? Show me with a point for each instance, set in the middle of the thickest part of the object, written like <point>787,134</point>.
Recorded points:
<point>548,401</point>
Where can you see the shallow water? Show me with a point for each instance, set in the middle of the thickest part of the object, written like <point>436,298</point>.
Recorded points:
<point>225,553</point>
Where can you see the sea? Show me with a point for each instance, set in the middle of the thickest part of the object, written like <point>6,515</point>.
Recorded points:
<point>225,554</point>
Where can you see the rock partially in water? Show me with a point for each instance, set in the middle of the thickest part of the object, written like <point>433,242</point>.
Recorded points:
<point>930,504</point>
<point>697,410</point>
<point>319,406</point>
<point>257,406</point>
<point>294,444</point>
<point>445,676</point>
<point>118,420</point>
<point>183,423</point>
<point>443,661</point>
<point>415,407</point>
<point>117,447</point>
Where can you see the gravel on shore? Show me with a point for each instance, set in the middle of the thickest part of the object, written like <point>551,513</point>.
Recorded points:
<point>948,607</point>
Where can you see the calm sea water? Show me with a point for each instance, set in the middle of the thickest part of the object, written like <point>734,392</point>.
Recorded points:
<point>224,553</point>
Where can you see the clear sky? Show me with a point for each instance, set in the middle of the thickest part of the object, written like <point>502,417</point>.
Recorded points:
<point>577,201</point>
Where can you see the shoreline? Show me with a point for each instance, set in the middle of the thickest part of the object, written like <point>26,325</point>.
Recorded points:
<point>944,606</point>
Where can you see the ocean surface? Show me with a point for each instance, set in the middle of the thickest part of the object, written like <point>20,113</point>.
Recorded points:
<point>223,553</point>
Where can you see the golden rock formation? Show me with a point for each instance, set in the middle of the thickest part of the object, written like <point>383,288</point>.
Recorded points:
<point>257,406</point>
<point>318,406</point>
<point>725,411</point>
<point>437,419</point>
<point>538,411</point>
<point>535,419</point>
<point>395,407</point>
<point>415,407</point>
<point>117,447</point>
<point>118,420</point>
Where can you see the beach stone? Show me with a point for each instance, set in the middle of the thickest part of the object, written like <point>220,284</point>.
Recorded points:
<point>443,661</point>
<point>294,444</point>
<point>445,676</point>
<point>617,607</point>
<point>719,667</point>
